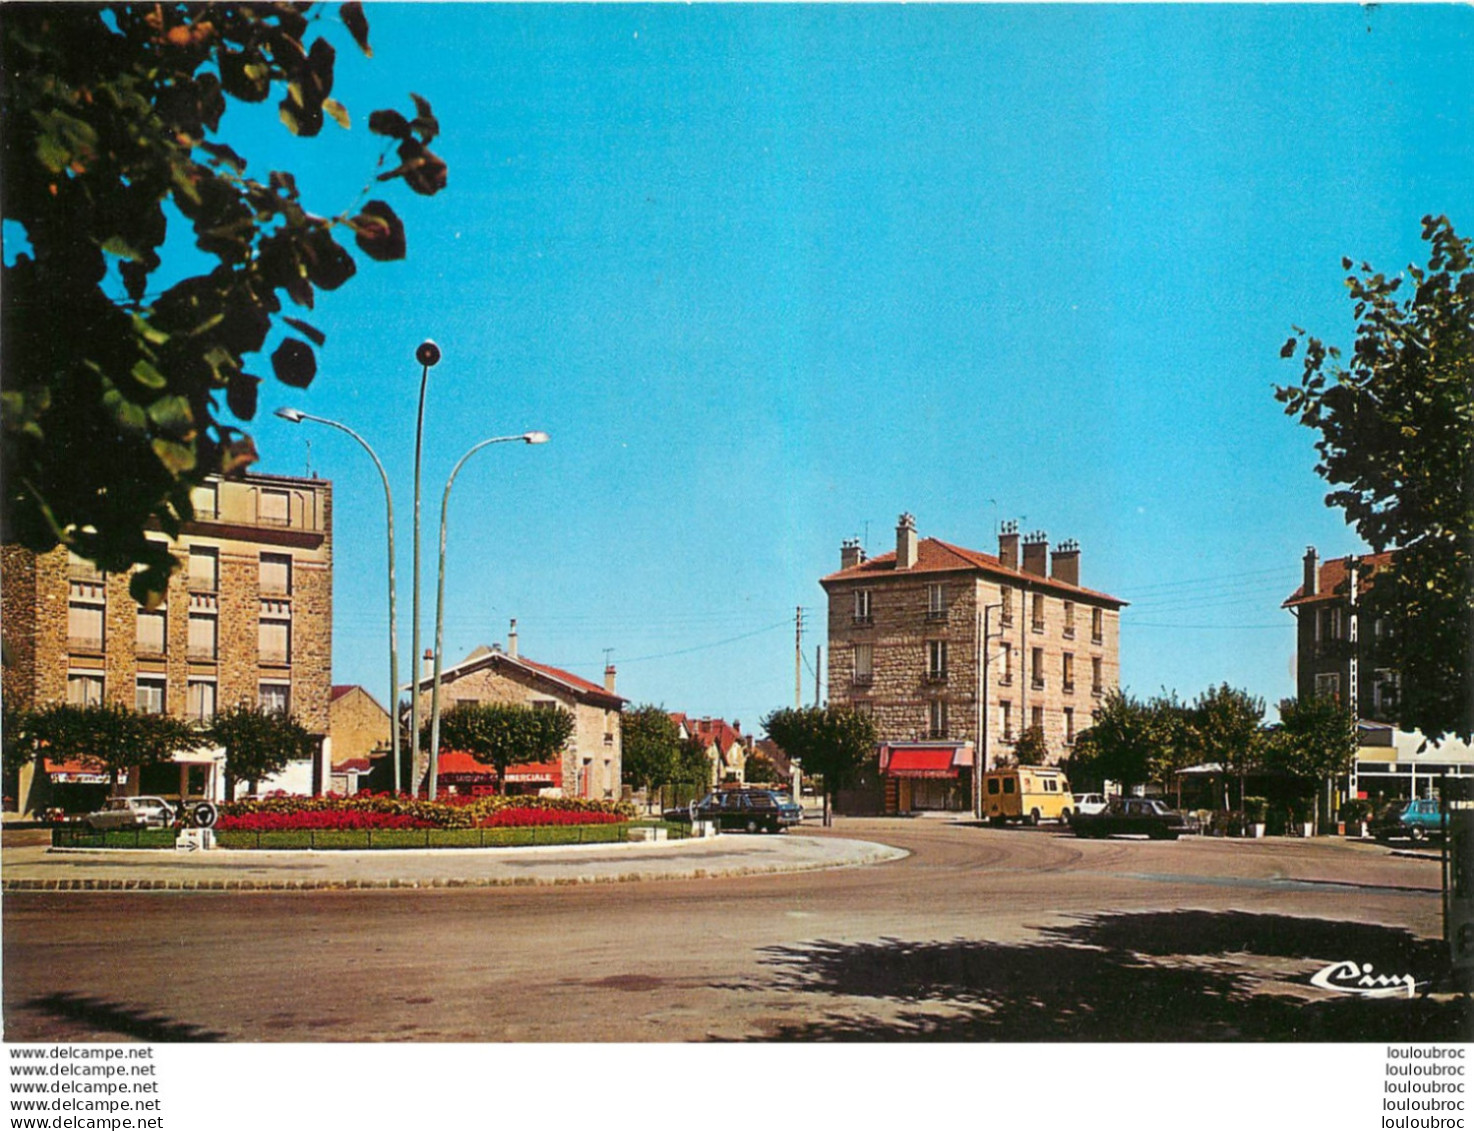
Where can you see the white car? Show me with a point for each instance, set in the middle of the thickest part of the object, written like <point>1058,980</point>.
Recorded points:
<point>1090,803</point>
<point>132,813</point>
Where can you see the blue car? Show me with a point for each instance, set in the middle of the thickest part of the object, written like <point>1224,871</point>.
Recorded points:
<point>1416,820</point>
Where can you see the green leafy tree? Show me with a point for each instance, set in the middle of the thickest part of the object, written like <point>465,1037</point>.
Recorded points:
<point>111,736</point>
<point>1316,741</point>
<point>114,361</point>
<point>693,767</point>
<point>760,769</point>
<point>650,747</point>
<point>17,740</point>
<point>1227,726</point>
<point>504,734</point>
<point>258,743</point>
<point>1032,748</point>
<point>1396,424</point>
<point>833,743</point>
<point>1120,743</point>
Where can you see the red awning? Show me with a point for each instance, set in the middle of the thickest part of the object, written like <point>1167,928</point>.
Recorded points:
<point>933,763</point>
<point>458,767</point>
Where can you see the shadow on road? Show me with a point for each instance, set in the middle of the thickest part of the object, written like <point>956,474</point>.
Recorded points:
<point>113,1018</point>
<point>1164,976</point>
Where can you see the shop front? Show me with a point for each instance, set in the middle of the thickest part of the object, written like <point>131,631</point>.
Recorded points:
<point>927,777</point>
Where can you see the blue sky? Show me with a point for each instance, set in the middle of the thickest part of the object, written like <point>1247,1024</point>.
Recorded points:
<point>771,275</point>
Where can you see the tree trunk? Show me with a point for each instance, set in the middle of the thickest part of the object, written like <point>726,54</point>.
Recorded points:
<point>828,810</point>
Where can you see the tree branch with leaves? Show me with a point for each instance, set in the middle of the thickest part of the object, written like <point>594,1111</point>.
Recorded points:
<point>114,367</point>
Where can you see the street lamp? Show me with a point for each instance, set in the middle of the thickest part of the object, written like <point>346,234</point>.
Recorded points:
<point>295,416</point>
<point>980,750</point>
<point>434,754</point>
<point>427,353</point>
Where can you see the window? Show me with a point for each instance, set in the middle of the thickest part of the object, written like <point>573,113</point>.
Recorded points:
<point>1069,726</point>
<point>1384,691</point>
<point>992,785</point>
<point>1069,620</point>
<point>1036,668</point>
<point>1038,617</point>
<point>201,701</point>
<point>204,568</point>
<point>85,615</point>
<point>1067,671</point>
<point>936,602</point>
<point>1036,717</point>
<point>938,718</point>
<point>275,507</point>
<point>84,689</point>
<point>80,568</point>
<point>1095,676</point>
<point>274,641</point>
<point>545,704</point>
<point>1008,785</point>
<point>1006,656</point>
<point>862,606</point>
<point>203,636</point>
<point>153,636</point>
<point>275,697</point>
<point>1005,719</point>
<point>276,573</point>
<point>864,663</point>
<point>1097,625</point>
<point>936,660</point>
<point>1005,597</point>
<point>206,501</point>
<point>1328,685</point>
<point>150,695</point>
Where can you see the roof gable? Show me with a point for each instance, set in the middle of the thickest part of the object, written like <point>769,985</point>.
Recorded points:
<point>1334,574</point>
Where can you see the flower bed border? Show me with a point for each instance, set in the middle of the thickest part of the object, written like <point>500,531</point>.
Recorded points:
<point>340,840</point>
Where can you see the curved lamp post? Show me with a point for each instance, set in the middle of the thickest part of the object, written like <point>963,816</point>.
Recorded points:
<point>434,752</point>
<point>296,417</point>
<point>427,353</point>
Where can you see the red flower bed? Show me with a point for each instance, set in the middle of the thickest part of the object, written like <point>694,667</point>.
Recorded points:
<point>266,822</point>
<point>518,818</point>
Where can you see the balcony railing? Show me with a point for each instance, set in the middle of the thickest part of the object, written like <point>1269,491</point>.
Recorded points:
<point>864,679</point>
<point>84,643</point>
<point>935,677</point>
<point>862,618</point>
<point>936,732</point>
<point>1069,687</point>
<point>1097,690</point>
<point>1096,637</point>
<point>1037,626</point>
<point>936,614</point>
<point>1005,680</point>
<point>1037,683</point>
<point>1069,632</point>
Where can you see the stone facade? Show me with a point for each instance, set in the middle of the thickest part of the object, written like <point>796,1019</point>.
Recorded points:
<point>360,730</point>
<point>904,641</point>
<point>237,521</point>
<point>591,762</point>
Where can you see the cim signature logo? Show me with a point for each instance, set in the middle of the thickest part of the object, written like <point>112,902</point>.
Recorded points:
<point>1352,978</point>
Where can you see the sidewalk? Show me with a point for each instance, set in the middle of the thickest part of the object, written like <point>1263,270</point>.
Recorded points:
<point>40,868</point>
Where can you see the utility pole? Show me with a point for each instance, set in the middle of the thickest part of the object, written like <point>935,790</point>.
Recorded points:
<point>1353,681</point>
<point>818,652</point>
<point>798,657</point>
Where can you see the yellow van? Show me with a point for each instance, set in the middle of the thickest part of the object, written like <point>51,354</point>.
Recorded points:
<point>1027,793</point>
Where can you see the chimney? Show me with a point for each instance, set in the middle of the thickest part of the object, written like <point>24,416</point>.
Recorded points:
<point>427,669</point>
<point>905,541</point>
<point>1312,572</point>
<point>850,553</point>
<point>1008,544</point>
<point>1064,563</point>
<point>1036,553</point>
<point>609,678</point>
<point>512,639</point>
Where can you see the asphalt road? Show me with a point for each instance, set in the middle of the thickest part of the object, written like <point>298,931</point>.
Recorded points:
<point>980,934</point>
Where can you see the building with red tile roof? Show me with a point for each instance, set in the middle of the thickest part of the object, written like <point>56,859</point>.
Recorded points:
<point>590,765</point>
<point>905,634</point>
<point>726,746</point>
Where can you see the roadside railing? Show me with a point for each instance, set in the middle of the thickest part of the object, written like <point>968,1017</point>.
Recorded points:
<point>525,836</point>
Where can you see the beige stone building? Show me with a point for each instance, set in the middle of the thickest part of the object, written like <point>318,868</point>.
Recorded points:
<point>246,619</point>
<point>360,730</point>
<point>590,765</point>
<point>726,746</point>
<point>906,633</point>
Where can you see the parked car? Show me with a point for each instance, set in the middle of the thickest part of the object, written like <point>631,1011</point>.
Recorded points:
<point>792,812</point>
<point>1125,815</point>
<point>1090,803</point>
<point>132,813</point>
<point>751,810</point>
<point>1416,820</point>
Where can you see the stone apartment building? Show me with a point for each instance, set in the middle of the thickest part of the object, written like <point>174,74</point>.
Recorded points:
<point>1323,649</point>
<point>246,619</point>
<point>905,645</point>
<point>1389,762</point>
<point>590,765</point>
<point>362,741</point>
